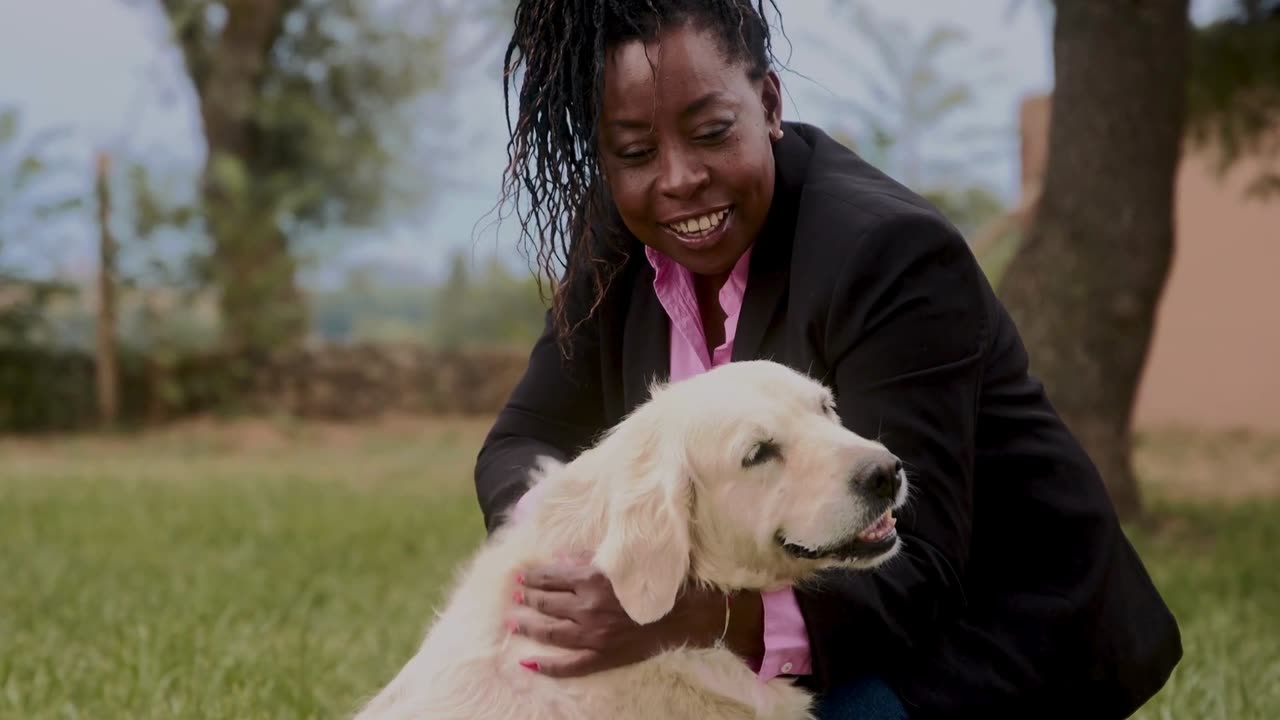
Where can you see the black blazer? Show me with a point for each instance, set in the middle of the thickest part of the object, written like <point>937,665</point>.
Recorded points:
<point>1016,593</point>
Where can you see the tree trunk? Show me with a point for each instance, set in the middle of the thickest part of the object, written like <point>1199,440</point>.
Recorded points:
<point>261,306</point>
<point>1086,282</point>
<point>108,379</point>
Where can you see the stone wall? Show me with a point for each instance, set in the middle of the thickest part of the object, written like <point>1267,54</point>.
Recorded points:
<point>44,390</point>
<point>365,381</point>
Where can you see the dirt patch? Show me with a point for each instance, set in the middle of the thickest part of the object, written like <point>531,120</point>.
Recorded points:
<point>256,436</point>
<point>263,434</point>
<point>1197,465</point>
<point>1172,463</point>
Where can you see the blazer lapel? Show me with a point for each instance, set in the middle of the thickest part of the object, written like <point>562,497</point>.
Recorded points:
<point>770,270</point>
<point>766,287</point>
<point>646,340</point>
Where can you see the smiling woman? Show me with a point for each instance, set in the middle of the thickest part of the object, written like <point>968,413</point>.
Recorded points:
<point>600,172</point>
<point>688,225</point>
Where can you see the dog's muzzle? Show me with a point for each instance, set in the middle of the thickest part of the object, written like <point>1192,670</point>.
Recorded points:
<point>879,538</point>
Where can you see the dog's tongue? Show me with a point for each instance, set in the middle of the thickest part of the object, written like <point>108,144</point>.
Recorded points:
<point>880,529</point>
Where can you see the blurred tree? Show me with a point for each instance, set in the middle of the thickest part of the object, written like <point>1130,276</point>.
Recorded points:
<point>309,108</point>
<point>31,198</point>
<point>1084,284</point>
<point>488,304</point>
<point>1234,94</point>
<point>370,306</point>
<point>915,102</point>
<point>1233,87</point>
<point>970,207</point>
<point>163,303</point>
<point>494,307</point>
<point>156,265</point>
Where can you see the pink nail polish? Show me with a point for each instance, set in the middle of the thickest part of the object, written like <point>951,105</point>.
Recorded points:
<point>519,597</point>
<point>529,664</point>
<point>513,626</point>
<point>519,578</point>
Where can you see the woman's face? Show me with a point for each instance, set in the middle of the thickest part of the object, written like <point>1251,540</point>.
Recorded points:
<point>686,146</point>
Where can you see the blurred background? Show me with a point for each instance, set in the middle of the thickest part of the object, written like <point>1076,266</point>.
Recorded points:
<point>258,304</point>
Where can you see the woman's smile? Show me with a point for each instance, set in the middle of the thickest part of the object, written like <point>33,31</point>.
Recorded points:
<point>702,231</point>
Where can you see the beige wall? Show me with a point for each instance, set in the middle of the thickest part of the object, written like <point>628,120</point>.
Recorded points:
<point>1215,356</point>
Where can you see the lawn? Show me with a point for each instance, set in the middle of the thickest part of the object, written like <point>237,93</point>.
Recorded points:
<point>277,571</point>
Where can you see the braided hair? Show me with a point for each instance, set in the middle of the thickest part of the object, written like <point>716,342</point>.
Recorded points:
<point>567,217</point>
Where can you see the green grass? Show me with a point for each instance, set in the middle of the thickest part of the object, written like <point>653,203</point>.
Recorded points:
<point>287,572</point>
<point>186,582</point>
<point>1216,566</point>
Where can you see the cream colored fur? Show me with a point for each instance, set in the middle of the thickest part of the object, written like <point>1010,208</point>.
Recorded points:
<point>662,498</point>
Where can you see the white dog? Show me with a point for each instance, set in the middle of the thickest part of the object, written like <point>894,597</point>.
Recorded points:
<point>741,478</point>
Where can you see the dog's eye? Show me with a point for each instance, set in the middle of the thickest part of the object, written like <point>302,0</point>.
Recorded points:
<point>762,452</point>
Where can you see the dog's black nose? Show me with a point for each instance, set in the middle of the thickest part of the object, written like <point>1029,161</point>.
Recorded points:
<point>882,480</point>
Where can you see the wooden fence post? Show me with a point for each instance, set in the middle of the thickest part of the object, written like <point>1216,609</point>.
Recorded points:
<point>108,378</point>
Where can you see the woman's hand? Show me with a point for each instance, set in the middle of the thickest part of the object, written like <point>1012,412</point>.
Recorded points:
<point>572,605</point>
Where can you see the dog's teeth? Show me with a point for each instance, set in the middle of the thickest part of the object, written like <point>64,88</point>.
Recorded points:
<point>880,529</point>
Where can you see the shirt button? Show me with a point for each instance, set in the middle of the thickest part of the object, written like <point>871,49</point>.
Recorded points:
<point>786,667</point>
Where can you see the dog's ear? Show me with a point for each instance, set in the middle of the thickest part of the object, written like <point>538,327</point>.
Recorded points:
<point>646,546</point>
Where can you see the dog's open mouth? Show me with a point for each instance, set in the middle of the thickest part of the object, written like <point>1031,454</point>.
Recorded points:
<point>876,540</point>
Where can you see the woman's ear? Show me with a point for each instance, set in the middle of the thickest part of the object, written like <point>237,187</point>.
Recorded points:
<point>771,99</point>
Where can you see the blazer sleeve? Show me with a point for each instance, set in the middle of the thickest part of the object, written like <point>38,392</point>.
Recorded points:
<point>904,342</point>
<point>555,410</point>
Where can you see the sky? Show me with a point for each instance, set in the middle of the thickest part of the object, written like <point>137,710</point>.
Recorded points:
<point>104,71</point>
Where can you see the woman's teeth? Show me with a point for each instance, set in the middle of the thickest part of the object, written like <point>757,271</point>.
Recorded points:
<point>699,225</point>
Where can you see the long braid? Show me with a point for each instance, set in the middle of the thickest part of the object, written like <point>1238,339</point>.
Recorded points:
<point>552,175</point>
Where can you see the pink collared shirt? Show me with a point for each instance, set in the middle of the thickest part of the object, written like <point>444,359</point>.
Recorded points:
<point>786,640</point>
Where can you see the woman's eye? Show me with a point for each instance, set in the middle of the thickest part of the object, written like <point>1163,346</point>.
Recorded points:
<point>762,452</point>
<point>634,154</point>
<point>715,133</point>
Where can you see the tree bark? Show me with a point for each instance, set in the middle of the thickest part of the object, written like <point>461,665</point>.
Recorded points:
<point>1085,285</point>
<point>254,270</point>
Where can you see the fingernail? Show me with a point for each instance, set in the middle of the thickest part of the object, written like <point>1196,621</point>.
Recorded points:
<point>529,664</point>
<point>513,626</point>
<point>519,597</point>
<point>519,578</point>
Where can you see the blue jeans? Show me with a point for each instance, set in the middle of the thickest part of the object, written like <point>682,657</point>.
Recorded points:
<point>868,698</point>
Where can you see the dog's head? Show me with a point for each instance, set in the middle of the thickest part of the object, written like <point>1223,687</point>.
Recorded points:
<point>742,477</point>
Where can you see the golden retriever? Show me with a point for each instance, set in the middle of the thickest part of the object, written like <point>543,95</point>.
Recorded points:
<point>741,478</point>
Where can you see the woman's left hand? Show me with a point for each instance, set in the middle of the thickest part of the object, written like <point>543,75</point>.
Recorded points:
<point>572,605</point>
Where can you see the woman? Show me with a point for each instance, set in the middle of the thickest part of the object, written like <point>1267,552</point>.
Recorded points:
<point>698,227</point>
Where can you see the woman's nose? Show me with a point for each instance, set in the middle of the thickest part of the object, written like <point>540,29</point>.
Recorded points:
<point>681,174</point>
